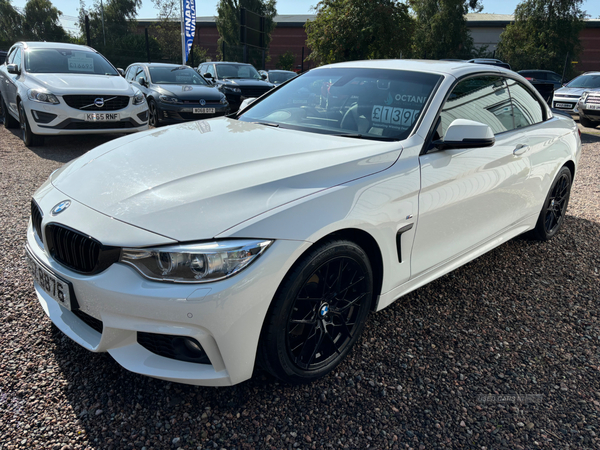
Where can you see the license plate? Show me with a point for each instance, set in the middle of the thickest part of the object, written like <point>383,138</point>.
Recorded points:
<point>102,117</point>
<point>594,106</point>
<point>563,105</point>
<point>204,110</point>
<point>52,285</point>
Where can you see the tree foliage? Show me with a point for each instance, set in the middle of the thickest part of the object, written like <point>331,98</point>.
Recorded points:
<point>41,22</point>
<point>286,61</point>
<point>543,34</point>
<point>167,30</point>
<point>441,28</point>
<point>228,23</point>
<point>345,30</point>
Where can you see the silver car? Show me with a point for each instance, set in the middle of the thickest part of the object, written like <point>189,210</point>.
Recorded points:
<point>51,88</point>
<point>566,98</point>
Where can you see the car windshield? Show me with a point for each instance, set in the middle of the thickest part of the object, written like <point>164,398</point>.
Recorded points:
<point>175,75</point>
<point>585,81</point>
<point>358,103</point>
<point>59,60</point>
<point>233,71</point>
<point>280,77</point>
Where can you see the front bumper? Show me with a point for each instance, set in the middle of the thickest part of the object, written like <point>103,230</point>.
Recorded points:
<point>51,120</point>
<point>225,317</point>
<point>591,114</point>
<point>568,105</point>
<point>168,112</point>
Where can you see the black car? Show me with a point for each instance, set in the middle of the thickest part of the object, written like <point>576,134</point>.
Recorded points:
<point>542,76</point>
<point>2,56</point>
<point>176,93</point>
<point>237,81</point>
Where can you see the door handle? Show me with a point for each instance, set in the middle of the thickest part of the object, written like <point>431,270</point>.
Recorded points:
<point>520,149</point>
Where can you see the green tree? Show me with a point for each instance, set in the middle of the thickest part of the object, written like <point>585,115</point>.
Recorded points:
<point>41,22</point>
<point>345,30</point>
<point>543,34</point>
<point>11,23</point>
<point>441,28</point>
<point>228,25</point>
<point>168,29</point>
<point>286,61</point>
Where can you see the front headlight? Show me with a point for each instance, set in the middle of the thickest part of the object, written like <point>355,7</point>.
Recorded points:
<point>194,263</point>
<point>584,96</point>
<point>232,89</point>
<point>167,99</point>
<point>39,95</point>
<point>138,97</point>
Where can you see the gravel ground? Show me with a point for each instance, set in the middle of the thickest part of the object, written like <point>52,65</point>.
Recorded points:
<point>434,370</point>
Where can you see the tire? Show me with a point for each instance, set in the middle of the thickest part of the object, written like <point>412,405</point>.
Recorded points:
<point>30,139</point>
<point>318,313</point>
<point>586,122</point>
<point>555,207</point>
<point>153,119</point>
<point>9,121</point>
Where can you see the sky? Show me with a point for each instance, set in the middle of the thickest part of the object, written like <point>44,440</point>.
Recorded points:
<point>209,7</point>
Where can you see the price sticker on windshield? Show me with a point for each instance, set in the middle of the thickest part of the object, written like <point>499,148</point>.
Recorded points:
<point>404,117</point>
<point>81,64</point>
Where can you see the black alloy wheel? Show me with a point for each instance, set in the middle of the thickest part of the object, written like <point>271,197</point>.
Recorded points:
<point>555,207</point>
<point>29,138</point>
<point>153,111</point>
<point>587,122</point>
<point>318,314</point>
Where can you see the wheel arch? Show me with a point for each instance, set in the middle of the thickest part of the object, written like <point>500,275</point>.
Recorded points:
<point>571,166</point>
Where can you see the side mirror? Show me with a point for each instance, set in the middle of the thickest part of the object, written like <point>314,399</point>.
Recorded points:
<point>13,68</point>
<point>264,76</point>
<point>207,75</point>
<point>121,72</point>
<point>247,102</point>
<point>143,82</point>
<point>463,133</point>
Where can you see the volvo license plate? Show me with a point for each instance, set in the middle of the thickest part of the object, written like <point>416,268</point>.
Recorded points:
<point>51,284</point>
<point>102,117</point>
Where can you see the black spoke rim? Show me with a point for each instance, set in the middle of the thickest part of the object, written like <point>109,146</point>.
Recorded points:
<point>23,124</point>
<point>153,115</point>
<point>557,204</point>
<point>325,315</point>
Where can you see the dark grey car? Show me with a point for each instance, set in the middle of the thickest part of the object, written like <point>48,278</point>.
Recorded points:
<point>176,93</point>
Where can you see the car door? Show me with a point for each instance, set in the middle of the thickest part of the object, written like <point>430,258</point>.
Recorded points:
<point>12,80</point>
<point>470,195</point>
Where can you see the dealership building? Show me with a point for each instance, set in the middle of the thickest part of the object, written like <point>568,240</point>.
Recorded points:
<point>289,35</point>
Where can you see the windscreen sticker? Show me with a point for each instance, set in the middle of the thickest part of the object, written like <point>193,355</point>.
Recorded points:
<point>80,62</point>
<point>398,117</point>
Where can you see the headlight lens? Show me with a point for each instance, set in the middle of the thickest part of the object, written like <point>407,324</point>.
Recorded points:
<point>232,89</point>
<point>138,97</point>
<point>195,263</point>
<point>39,95</point>
<point>167,99</point>
<point>223,100</point>
<point>584,96</point>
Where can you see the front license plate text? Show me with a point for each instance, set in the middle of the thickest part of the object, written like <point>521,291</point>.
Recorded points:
<point>53,286</point>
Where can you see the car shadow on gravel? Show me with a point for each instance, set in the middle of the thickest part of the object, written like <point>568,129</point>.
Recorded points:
<point>589,138</point>
<point>65,148</point>
<point>429,370</point>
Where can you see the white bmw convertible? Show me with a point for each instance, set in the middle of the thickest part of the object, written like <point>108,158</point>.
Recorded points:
<point>194,252</point>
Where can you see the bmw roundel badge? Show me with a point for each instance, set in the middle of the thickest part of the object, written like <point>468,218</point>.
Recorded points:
<point>60,207</point>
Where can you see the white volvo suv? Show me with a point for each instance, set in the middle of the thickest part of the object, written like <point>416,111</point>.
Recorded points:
<point>50,88</point>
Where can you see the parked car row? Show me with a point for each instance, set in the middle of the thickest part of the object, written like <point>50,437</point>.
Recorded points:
<point>50,89</point>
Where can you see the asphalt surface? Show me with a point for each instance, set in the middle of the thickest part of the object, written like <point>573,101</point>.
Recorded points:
<point>501,353</point>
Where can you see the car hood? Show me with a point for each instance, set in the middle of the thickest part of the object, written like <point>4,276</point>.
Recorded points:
<point>189,92</point>
<point>66,83</point>
<point>246,82</point>
<point>571,91</point>
<point>195,180</point>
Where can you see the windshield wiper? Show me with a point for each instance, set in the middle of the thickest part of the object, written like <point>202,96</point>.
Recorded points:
<point>366,136</point>
<point>178,68</point>
<point>276,125</point>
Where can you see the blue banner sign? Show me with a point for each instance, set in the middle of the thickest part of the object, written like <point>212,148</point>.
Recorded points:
<point>189,18</point>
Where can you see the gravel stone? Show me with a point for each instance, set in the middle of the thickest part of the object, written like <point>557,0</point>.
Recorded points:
<point>526,310</point>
